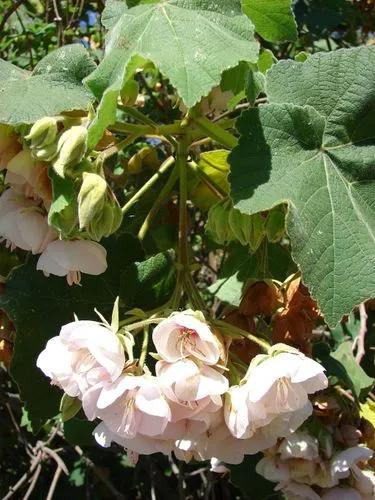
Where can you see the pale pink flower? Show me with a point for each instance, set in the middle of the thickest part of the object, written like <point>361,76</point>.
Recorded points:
<point>282,382</point>
<point>129,406</point>
<point>22,224</point>
<point>218,466</point>
<point>299,445</point>
<point>188,380</point>
<point>85,354</point>
<point>342,493</point>
<point>346,463</point>
<point>71,258</point>
<point>186,334</point>
<point>29,177</point>
<point>296,491</point>
<point>140,444</point>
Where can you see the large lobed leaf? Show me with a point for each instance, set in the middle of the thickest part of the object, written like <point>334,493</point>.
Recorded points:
<point>313,147</point>
<point>191,41</point>
<point>54,86</point>
<point>273,19</point>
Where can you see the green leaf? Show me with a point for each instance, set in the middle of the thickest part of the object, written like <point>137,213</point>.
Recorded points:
<point>242,266</point>
<point>362,383</point>
<point>63,213</point>
<point>319,160</point>
<point>149,284</point>
<point>273,19</point>
<point>54,86</point>
<point>69,407</point>
<point>39,306</point>
<point>200,39</point>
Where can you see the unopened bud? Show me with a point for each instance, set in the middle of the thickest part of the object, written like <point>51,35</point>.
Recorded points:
<point>275,225</point>
<point>91,198</point>
<point>107,222</point>
<point>129,93</point>
<point>72,147</point>
<point>218,222</point>
<point>47,153</point>
<point>43,132</point>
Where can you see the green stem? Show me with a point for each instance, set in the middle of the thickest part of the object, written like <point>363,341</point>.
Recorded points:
<point>163,168</point>
<point>234,330</point>
<point>216,132</point>
<point>141,324</point>
<point>144,348</point>
<point>159,202</point>
<point>181,165</point>
<point>107,153</point>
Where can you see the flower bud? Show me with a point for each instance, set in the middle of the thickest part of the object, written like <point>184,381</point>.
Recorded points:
<point>71,148</point>
<point>247,229</point>
<point>91,198</point>
<point>107,222</point>
<point>218,222</point>
<point>129,93</point>
<point>43,132</point>
<point>275,225</point>
<point>47,153</point>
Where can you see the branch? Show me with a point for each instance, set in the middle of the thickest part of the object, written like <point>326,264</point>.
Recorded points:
<point>360,340</point>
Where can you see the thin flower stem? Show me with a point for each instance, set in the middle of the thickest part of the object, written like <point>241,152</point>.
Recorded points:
<point>148,185</point>
<point>159,202</point>
<point>140,324</point>
<point>216,132</point>
<point>144,349</point>
<point>234,330</point>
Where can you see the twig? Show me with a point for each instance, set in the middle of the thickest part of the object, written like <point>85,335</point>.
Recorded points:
<point>23,479</point>
<point>33,482</point>
<point>360,340</point>
<point>54,482</point>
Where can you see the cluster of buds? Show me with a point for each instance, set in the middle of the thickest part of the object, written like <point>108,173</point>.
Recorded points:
<point>27,198</point>
<point>187,406</point>
<point>225,224</point>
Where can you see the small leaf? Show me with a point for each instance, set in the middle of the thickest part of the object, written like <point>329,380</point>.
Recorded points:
<point>54,86</point>
<point>362,383</point>
<point>69,407</point>
<point>273,19</point>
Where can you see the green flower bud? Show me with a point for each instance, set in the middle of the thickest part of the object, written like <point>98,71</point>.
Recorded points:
<point>129,93</point>
<point>72,147</point>
<point>240,225</point>
<point>107,222</point>
<point>275,225</point>
<point>43,132</point>
<point>218,222</point>
<point>47,153</point>
<point>91,198</point>
<point>257,232</point>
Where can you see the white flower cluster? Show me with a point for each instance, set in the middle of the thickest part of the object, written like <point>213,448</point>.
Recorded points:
<point>300,470</point>
<point>24,207</point>
<point>187,407</point>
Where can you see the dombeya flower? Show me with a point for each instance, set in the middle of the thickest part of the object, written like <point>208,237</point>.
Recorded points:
<point>186,334</point>
<point>22,224</point>
<point>84,354</point>
<point>283,380</point>
<point>71,258</point>
<point>129,406</point>
<point>187,380</point>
